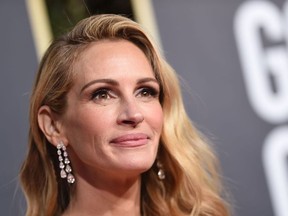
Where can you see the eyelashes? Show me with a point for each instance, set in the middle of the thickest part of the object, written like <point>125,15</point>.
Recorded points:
<point>101,94</point>
<point>106,94</point>
<point>148,92</point>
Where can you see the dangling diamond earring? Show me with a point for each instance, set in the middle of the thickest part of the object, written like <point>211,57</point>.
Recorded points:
<point>64,163</point>
<point>161,172</point>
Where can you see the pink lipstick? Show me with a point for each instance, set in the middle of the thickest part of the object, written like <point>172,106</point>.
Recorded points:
<point>131,140</point>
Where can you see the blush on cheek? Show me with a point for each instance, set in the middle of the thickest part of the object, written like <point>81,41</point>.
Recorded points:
<point>158,119</point>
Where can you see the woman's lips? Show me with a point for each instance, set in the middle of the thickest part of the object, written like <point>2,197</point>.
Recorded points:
<point>130,140</point>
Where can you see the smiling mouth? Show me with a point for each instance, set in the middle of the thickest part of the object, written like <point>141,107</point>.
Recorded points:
<point>131,140</point>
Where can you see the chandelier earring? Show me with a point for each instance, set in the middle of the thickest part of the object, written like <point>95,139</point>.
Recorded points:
<point>160,171</point>
<point>64,163</point>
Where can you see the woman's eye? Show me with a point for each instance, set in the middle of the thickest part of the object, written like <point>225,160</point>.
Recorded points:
<point>102,94</point>
<point>148,92</point>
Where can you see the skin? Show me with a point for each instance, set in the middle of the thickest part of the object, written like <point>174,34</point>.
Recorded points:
<point>111,128</point>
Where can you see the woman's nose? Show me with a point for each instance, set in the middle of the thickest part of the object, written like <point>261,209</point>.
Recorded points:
<point>130,114</point>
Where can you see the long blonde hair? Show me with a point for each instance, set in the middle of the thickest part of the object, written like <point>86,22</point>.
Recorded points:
<point>191,186</point>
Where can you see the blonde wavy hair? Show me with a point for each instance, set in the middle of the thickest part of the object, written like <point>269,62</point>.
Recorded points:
<point>191,187</point>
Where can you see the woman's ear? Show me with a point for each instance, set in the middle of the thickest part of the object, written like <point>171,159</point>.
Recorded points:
<point>49,125</point>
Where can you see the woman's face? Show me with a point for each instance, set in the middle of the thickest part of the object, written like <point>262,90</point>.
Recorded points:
<point>114,118</point>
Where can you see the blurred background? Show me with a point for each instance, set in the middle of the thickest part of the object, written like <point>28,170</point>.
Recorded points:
<point>231,58</point>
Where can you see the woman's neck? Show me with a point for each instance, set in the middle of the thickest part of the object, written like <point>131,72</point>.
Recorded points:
<point>105,197</point>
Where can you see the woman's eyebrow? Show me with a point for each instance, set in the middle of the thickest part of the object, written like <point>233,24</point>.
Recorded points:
<point>147,79</point>
<point>108,81</point>
<point>115,83</point>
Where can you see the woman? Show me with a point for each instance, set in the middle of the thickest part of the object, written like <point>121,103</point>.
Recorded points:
<point>108,131</point>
